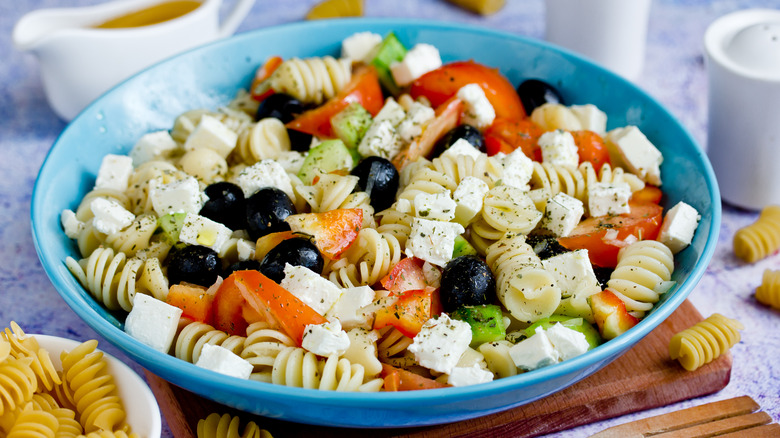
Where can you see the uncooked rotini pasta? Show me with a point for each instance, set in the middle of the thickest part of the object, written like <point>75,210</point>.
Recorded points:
<point>769,291</point>
<point>34,423</point>
<point>643,273</point>
<point>228,426</point>
<point>110,434</point>
<point>311,80</point>
<point>190,340</point>
<point>18,381</point>
<point>705,341</point>
<point>761,238</point>
<point>26,346</point>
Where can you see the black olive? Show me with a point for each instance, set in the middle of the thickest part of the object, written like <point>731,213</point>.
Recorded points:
<point>466,281</point>
<point>535,93</point>
<point>379,178</point>
<point>266,211</point>
<point>279,106</point>
<point>297,251</point>
<point>545,246</point>
<point>225,205</point>
<point>299,141</point>
<point>243,265</point>
<point>194,264</point>
<point>602,275</point>
<point>466,132</point>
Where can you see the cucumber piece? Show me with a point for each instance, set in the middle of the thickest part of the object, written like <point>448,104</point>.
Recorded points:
<point>390,50</point>
<point>326,157</point>
<point>171,225</point>
<point>462,247</point>
<point>486,321</point>
<point>591,333</point>
<point>351,124</point>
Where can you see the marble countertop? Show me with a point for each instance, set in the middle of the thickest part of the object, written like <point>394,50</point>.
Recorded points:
<point>674,73</point>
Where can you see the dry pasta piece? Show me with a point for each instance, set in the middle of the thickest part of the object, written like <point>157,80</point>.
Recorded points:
<point>33,422</point>
<point>769,291</point>
<point>761,238</point>
<point>705,341</point>
<point>17,383</point>
<point>227,426</point>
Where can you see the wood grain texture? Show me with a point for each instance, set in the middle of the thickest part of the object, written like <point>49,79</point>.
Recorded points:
<point>643,378</point>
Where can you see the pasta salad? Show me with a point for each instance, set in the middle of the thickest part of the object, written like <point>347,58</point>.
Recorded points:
<point>381,221</point>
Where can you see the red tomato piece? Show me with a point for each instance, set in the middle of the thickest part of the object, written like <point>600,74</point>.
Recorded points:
<point>649,193</point>
<point>363,88</point>
<point>259,93</point>
<point>443,83</point>
<point>334,231</point>
<point>408,312</point>
<point>407,274</point>
<point>392,381</point>
<point>591,147</point>
<point>610,314</point>
<point>447,118</point>
<point>510,134</point>
<point>228,308</point>
<point>597,234</point>
<point>409,381</point>
<point>195,301</point>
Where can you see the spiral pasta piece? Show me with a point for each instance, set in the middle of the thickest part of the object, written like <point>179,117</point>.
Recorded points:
<point>17,383</point>
<point>300,368</point>
<point>547,180</point>
<point>552,116</point>
<point>505,210</point>
<point>392,344</point>
<point>311,80</point>
<point>33,422</point>
<point>458,167</point>
<point>227,426</point>
<point>368,259</point>
<point>265,139</point>
<point>110,434</point>
<point>144,178</point>
<point>191,338</point>
<point>332,192</point>
<point>261,346</point>
<point>134,238</point>
<point>761,238</point>
<point>395,224</point>
<point>769,291</point>
<point>705,341</point>
<point>641,274</point>
<point>499,362</point>
<point>22,346</point>
<point>426,181</point>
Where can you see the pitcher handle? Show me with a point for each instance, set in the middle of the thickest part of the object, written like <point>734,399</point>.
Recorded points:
<point>235,17</point>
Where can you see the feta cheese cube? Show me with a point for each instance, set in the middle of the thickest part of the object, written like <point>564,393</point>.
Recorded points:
<point>411,126</point>
<point>421,59</point>
<point>200,230</point>
<point>479,112</point>
<point>435,206</point>
<point>518,170</point>
<point>153,145</point>
<point>392,111</point>
<point>572,271</point>
<point>360,46</point>
<point>433,241</point>
<point>212,134</point>
<point>558,148</point>
<point>464,376</point>
<point>534,352</point>
<point>461,147</point>
<point>114,172</point>
<point>440,343</point>
<point>562,214</point>
<point>183,196</point>
<point>311,288</point>
<point>381,140</point>
<point>264,173</point>
<point>468,198</point>
<point>608,199</point>
<point>70,223</point>
<point>591,118</point>
<point>110,216</point>
<point>568,343</point>
<point>325,339</point>
<point>351,310</point>
<point>245,249</point>
<point>362,350</point>
<point>220,359</point>
<point>403,206</point>
<point>679,225</point>
<point>629,147</point>
<point>153,322</point>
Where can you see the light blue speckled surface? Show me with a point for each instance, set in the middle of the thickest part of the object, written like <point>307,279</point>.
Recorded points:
<point>674,74</point>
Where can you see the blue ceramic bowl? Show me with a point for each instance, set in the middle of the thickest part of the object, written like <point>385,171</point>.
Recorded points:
<point>211,75</point>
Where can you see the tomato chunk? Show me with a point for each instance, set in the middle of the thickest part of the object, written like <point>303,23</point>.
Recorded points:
<point>195,301</point>
<point>591,147</point>
<point>258,92</point>
<point>228,308</point>
<point>649,193</point>
<point>407,380</point>
<point>610,314</point>
<point>506,135</point>
<point>406,311</point>
<point>333,231</point>
<point>407,274</point>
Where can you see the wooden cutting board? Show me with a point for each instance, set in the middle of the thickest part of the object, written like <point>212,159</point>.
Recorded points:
<point>642,378</point>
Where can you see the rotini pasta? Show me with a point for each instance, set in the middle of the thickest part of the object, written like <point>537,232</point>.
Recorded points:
<point>761,238</point>
<point>261,347</point>
<point>34,423</point>
<point>705,341</point>
<point>190,340</point>
<point>367,260</point>
<point>227,426</point>
<point>458,167</point>
<point>769,291</point>
<point>505,210</point>
<point>265,139</point>
<point>311,80</point>
<point>642,274</point>
<point>295,366</point>
<point>331,192</point>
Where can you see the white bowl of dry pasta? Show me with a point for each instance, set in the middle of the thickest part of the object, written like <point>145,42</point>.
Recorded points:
<point>252,247</point>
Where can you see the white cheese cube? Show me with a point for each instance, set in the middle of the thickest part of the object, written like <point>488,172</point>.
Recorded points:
<point>362,350</point>
<point>311,288</point>
<point>325,339</point>
<point>608,199</point>
<point>572,271</point>
<point>392,111</point>
<point>182,196</point>
<point>114,172</point>
<point>462,147</point>
<point>291,161</point>
<point>403,206</point>
<point>264,173</point>
<point>153,145</point>
<point>534,352</point>
<point>212,134</point>
<point>435,206</point>
<point>440,343</point>
<point>558,148</point>
<point>110,216</point>
<point>70,223</point>
<point>381,140</point>
<point>432,274</point>
<point>469,197</point>
<point>412,125</point>
<point>433,241</point>
<point>479,112</point>
<point>421,59</point>
<point>245,249</point>
<point>224,361</point>
<point>360,46</point>
<point>679,225</point>
<point>153,322</point>
<point>464,376</point>
<point>591,118</point>
<point>629,147</point>
<point>568,343</point>
<point>562,214</point>
<point>518,170</point>
<point>351,309</point>
<point>200,230</point>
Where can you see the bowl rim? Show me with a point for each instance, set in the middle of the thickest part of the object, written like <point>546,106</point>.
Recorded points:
<point>605,352</point>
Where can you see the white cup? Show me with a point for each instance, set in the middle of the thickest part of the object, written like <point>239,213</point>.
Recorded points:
<point>743,141</point>
<point>612,33</point>
<point>79,62</point>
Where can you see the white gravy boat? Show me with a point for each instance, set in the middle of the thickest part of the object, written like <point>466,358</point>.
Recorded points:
<point>79,61</point>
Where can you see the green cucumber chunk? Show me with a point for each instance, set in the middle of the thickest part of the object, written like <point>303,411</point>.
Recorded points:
<point>326,157</point>
<point>351,124</point>
<point>171,225</point>
<point>486,321</point>
<point>462,247</point>
<point>390,50</point>
<point>591,333</point>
